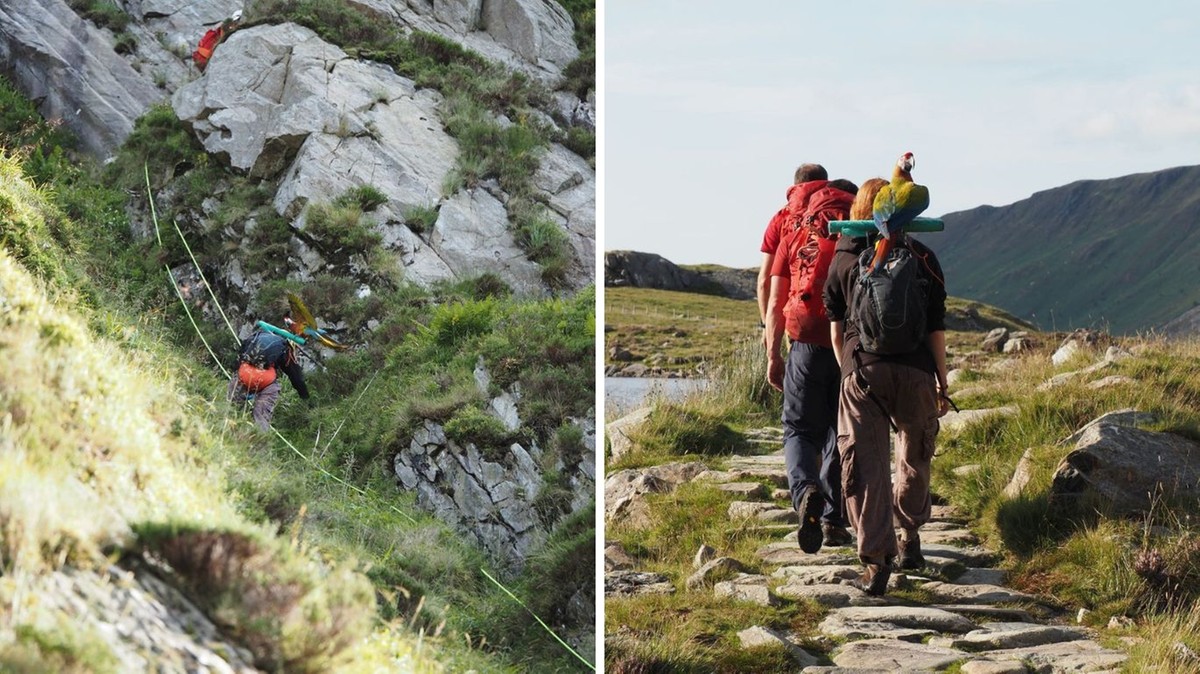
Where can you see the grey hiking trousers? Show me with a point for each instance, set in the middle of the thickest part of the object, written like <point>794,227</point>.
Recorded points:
<point>264,400</point>
<point>908,396</point>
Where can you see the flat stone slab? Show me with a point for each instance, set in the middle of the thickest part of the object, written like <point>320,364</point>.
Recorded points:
<point>994,636</point>
<point>853,630</point>
<point>977,576</point>
<point>788,554</point>
<point>968,556</point>
<point>991,667</point>
<point>833,596</point>
<point>636,582</point>
<point>758,636</point>
<point>940,525</point>
<point>946,513</point>
<point>771,461</point>
<point>1069,656</point>
<point>955,421</point>
<point>746,587</point>
<point>894,656</point>
<point>830,574</point>
<point>842,670</point>
<point>958,537</point>
<point>762,512</point>
<point>984,611</point>
<point>750,490</point>
<point>912,617</point>
<point>955,593</point>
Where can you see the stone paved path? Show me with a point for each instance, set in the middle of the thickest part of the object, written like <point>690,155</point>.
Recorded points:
<point>959,613</point>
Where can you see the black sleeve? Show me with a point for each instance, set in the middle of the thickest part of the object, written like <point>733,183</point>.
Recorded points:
<point>834,294</point>
<point>296,376</point>
<point>935,313</point>
<point>237,362</point>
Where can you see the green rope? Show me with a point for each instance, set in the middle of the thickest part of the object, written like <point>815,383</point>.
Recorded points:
<point>540,622</point>
<point>193,320</point>
<point>153,211</point>
<point>206,284</point>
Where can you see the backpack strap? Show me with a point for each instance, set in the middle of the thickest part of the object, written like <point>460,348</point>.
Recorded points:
<point>866,387</point>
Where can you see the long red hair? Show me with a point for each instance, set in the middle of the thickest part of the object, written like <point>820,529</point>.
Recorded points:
<point>864,201</point>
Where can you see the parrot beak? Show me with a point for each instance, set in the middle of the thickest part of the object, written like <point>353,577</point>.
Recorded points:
<point>907,162</point>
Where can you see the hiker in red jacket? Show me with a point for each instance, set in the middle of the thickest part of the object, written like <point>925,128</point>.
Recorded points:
<point>212,38</point>
<point>809,376</point>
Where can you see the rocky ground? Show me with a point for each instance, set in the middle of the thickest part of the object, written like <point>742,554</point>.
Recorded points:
<point>957,610</point>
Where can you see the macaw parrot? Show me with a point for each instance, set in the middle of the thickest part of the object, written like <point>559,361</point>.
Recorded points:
<point>303,323</point>
<point>896,204</point>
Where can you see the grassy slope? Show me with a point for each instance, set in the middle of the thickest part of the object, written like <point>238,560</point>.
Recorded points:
<point>107,451</point>
<point>1083,559</point>
<point>1118,253</point>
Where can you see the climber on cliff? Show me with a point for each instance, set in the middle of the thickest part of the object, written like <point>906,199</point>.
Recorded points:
<point>214,37</point>
<point>260,356</point>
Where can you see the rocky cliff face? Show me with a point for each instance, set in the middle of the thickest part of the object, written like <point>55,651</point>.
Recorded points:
<point>493,500</point>
<point>277,102</point>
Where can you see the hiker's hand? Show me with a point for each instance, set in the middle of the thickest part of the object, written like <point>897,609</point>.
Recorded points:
<point>775,373</point>
<point>943,401</point>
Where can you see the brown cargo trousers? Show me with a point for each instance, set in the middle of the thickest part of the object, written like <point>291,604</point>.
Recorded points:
<point>909,397</point>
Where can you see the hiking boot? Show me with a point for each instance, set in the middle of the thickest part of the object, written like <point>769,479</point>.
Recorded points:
<point>809,533</point>
<point>910,551</point>
<point>874,580</point>
<point>835,536</point>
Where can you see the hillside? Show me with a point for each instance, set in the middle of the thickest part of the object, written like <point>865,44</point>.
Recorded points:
<point>653,328</point>
<point>1116,254</point>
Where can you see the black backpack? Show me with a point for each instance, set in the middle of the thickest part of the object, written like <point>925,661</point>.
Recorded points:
<point>888,305</point>
<point>262,349</point>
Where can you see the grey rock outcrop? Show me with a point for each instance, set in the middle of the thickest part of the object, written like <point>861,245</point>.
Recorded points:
<point>68,68</point>
<point>1127,468</point>
<point>145,623</point>
<point>625,490</point>
<point>280,102</point>
<point>533,36</point>
<point>648,270</point>
<point>491,500</point>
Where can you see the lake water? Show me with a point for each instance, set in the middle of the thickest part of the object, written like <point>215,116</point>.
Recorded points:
<point>625,394</point>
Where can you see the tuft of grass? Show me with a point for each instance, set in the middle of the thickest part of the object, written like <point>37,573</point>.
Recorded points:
<point>472,425</point>
<point>65,648</point>
<point>421,219</point>
<point>340,229</point>
<point>366,197</point>
<point>103,13</point>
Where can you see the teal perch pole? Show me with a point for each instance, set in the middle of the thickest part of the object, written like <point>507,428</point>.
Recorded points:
<point>284,333</point>
<point>857,228</point>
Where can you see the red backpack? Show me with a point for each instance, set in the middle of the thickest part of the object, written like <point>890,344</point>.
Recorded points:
<point>809,249</point>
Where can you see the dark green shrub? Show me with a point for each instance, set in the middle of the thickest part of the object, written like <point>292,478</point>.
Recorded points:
<point>125,43</point>
<point>454,323</point>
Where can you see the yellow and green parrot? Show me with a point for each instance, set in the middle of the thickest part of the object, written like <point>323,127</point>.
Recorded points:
<point>301,322</point>
<point>896,205</point>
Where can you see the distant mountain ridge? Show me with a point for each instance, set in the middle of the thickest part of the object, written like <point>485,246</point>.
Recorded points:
<point>649,270</point>
<point>1119,254</point>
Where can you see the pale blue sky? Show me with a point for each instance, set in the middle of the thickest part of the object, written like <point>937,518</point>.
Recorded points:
<point>710,106</point>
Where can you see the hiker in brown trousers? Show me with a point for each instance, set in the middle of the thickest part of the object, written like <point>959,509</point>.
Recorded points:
<point>904,391</point>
